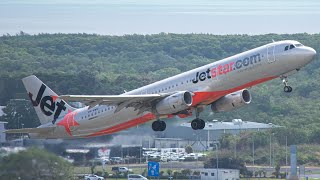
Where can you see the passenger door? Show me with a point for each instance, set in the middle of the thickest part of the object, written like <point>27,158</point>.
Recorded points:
<point>270,54</point>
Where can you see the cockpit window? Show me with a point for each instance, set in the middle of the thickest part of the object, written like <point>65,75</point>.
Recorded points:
<point>286,48</point>
<point>292,46</point>
<point>298,45</point>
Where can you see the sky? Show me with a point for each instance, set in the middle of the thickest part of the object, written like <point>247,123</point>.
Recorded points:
<point>119,17</point>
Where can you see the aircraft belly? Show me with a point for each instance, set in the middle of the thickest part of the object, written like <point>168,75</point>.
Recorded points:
<point>105,122</point>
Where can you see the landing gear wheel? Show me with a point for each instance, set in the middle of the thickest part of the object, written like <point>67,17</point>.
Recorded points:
<point>202,124</point>
<point>155,126</point>
<point>159,125</point>
<point>287,89</point>
<point>198,124</point>
<point>162,126</point>
<point>195,124</point>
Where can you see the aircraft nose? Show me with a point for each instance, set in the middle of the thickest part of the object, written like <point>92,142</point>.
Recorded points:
<point>310,53</point>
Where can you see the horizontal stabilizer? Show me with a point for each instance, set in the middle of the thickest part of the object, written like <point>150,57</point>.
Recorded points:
<point>30,130</point>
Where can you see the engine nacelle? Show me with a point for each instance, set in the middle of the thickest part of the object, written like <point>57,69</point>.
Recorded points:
<point>174,103</point>
<point>232,101</point>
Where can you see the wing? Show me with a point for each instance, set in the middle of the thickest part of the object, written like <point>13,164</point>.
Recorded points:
<point>29,130</point>
<point>142,102</point>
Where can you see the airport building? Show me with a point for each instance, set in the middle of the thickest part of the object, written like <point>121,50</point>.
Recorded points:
<point>202,140</point>
<point>218,174</point>
<point>179,143</point>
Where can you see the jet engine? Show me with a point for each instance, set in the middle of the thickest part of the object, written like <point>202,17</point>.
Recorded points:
<point>232,101</point>
<point>174,103</point>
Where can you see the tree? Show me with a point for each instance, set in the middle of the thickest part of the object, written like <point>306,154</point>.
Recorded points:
<point>189,149</point>
<point>20,113</point>
<point>35,163</point>
<point>277,170</point>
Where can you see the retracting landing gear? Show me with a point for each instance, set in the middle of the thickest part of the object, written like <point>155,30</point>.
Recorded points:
<point>159,125</point>
<point>198,123</point>
<point>286,88</point>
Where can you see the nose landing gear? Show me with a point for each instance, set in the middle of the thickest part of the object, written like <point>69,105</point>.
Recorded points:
<point>286,88</point>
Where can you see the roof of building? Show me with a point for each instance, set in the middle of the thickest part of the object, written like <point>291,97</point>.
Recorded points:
<point>169,139</point>
<point>236,124</point>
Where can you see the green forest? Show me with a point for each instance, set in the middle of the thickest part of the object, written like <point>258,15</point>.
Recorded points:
<point>96,64</point>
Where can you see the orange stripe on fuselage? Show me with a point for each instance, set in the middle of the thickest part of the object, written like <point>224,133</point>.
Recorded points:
<point>199,97</point>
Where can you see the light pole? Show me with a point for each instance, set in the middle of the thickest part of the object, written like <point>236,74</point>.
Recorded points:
<point>270,150</point>
<point>208,137</point>
<point>286,155</point>
<point>253,151</point>
<point>22,128</point>
<point>217,157</point>
<point>235,146</point>
<point>273,151</point>
<point>140,154</point>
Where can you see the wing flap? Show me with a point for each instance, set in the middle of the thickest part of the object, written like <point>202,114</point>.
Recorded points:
<point>29,130</point>
<point>108,98</point>
<point>122,101</point>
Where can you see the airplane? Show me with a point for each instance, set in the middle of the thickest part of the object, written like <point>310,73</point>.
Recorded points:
<point>222,85</point>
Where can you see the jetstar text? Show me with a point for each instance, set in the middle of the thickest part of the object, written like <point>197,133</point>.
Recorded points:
<point>226,68</point>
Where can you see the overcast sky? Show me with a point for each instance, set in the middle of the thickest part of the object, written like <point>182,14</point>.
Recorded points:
<point>118,17</point>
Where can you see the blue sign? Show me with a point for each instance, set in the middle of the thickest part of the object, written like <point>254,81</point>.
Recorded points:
<point>153,169</point>
<point>293,160</point>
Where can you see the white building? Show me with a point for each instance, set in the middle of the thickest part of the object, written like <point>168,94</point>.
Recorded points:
<point>162,143</point>
<point>221,174</point>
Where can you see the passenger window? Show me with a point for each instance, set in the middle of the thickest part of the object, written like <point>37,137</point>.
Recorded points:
<point>291,46</point>
<point>286,48</point>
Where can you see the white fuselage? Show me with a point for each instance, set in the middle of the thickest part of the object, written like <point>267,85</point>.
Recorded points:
<point>208,83</point>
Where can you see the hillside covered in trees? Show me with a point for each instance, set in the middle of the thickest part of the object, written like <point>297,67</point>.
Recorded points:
<point>94,64</point>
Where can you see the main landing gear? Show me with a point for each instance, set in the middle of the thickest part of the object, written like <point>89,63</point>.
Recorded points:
<point>159,125</point>
<point>198,123</point>
<point>286,88</point>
